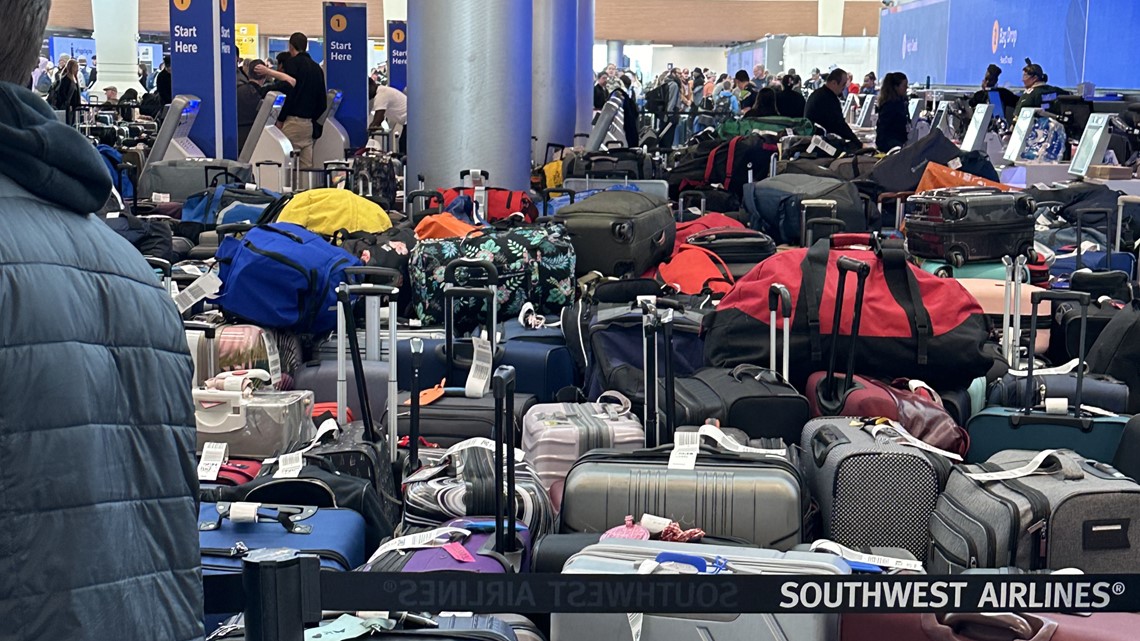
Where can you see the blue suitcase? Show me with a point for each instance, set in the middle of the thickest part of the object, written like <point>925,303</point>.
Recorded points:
<point>1116,259</point>
<point>1094,436</point>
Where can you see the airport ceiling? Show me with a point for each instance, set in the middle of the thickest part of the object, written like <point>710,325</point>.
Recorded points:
<point>688,22</point>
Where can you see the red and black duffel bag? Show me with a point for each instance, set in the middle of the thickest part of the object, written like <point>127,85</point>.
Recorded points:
<point>916,325</point>
<point>501,203</point>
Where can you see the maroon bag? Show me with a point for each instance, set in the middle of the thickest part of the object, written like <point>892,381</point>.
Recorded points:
<point>922,326</point>
<point>832,394</point>
<point>1102,626</point>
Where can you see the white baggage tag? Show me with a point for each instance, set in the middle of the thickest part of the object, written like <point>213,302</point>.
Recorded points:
<point>251,186</point>
<point>289,466</point>
<point>906,439</point>
<point>823,545</point>
<point>955,163</point>
<point>654,524</point>
<point>732,445</point>
<point>274,361</point>
<point>635,622</point>
<point>431,539</point>
<point>204,287</point>
<point>159,197</point>
<point>819,142</point>
<point>425,473</point>
<point>242,512</point>
<point>479,379</point>
<point>481,442</point>
<point>686,446</point>
<point>213,455</point>
<point>1025,470</point>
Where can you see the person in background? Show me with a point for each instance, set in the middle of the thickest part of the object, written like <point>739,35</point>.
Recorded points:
<point>815,81</point>
<point>790,102</point>
<point>760,76</point>
<point>711,84</point>
<point>698,85</point>
<point>162,82</point>
<point>248,99</point>
<point>868,87</point>
<point>111,95</point>
<point>84,79</point>
<point>989,83</point>
<point>143,76</point>
<point>824,109</point>
<point>745,90</point>
<point>600,93</point>
<point>391,106</point>
<point>686,91</point>
<point>93,72</point>
<point>612,82</point>
<point>765,104</point>
<point>100,489</point>
<point>304,99</point>
<point>68,94</point>
<point>893,127</point>
<point>41,77</point>
<point>61,67</point>
<point>629,112</point>
<point>1038,92</point>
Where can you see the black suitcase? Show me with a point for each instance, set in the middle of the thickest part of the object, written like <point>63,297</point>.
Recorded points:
<point>619,233</point>
<point>902,171</point>
<point>969,224</point>
<point>756,400</point>
<point>632,163</point>
<point>1065,335</point>
<point>740,249</point>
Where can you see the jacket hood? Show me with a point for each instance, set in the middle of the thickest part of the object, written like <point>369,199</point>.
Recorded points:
<point>46,157</point>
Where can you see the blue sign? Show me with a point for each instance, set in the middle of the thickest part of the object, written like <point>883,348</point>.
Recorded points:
<point>912,39</point>
<point>203,59</point>
<point>397,45</point>
<point>346,65</point>
<point>1113,25</point>
<point>74,47</point>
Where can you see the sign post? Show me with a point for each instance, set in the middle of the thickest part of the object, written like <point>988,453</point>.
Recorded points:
<point>398,55</point>
<point>246,41</point>
<point>346,65</point>
<point>204,64</point>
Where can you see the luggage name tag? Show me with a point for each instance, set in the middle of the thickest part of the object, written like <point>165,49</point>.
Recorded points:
<point>202,288</point>
<point>430,539</point>
<point>289,466</point>
<point>213,456</point>
<point>483,443</point>
<point>876,561</point>
<point>897,433</point>
<point>458,552</point>
<point>479,378</point>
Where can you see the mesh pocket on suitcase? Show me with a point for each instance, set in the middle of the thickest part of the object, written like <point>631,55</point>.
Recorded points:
<point>867,514</point>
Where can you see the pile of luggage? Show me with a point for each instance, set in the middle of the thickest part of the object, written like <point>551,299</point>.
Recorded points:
<point>487,380</point>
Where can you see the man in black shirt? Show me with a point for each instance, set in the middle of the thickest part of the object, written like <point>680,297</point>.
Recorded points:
<point>305,97</point>
<point>824,109</point>
<point>600,93</point>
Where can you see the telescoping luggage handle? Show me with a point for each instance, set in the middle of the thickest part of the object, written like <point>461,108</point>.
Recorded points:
<point>1057,414</point>
<point>1114,234</point>
<point>209,332</point>
<point>833,395</point>
<point>549,194</point>
<point>779,298</point>
<point>503,389</point>
<point>1011,312</point>
<point>452,290</point>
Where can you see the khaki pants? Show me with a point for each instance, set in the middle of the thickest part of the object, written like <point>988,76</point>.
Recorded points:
<point>299,131</point>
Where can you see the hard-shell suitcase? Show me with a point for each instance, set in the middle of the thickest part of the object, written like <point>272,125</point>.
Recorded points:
<point>876,485</point>
<point>555,435</point>
<point>990,294</point>
<point>1059,425</point>
<point>619,232</point>
<point>254,424</point>
<point>1035,510</point>
<point>969,224</point>
<point>626,557</point>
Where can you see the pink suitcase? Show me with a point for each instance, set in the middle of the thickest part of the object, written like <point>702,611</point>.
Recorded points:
<point>991,295</point>
<point>1102,626</point>
<point>556,434</point>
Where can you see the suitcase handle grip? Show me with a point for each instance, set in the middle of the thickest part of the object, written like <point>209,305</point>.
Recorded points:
<point>848,264</point>
<point>825,440</point>
<point>287,515</point>
<point>392,276</point>
<point>777,295</point>
<point>718,233</point>
<point>489,270</point>
<point>1082,299</point>
<point>159,263</point>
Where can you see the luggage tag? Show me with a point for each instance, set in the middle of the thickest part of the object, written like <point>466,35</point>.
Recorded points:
<point>438,537</point>
<point>955,163</point>
<point>347,627</point>
<point>903,437</point>
<point>204,287</point>
<point>158,197</point>
<point>213,456</point>
<point>686,446</point>
<point>479,378</point>
<point>480,442</point>
<point>430,395</point>
<point>289,466</point>
<point>869,563</point>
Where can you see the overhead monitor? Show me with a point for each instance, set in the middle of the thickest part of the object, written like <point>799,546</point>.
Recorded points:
<point>1020,133</point>
<point>267,115</point>
<point>999,105</point>
<point>173,139</point>
<point>1093,146</point>
<point>866,114</point>
<point>979,126</point>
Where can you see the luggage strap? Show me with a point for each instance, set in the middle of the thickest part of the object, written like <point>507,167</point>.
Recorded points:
<point>1068,468</point>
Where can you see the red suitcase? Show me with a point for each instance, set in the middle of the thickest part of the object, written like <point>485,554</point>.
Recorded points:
<point>1102,626</point>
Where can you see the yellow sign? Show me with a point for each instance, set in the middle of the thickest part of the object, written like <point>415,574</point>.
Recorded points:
<point>182,5</point>
<point>225,5</point>
<point>398,36</point>
<point>245,37</point>
<point>338,23</point>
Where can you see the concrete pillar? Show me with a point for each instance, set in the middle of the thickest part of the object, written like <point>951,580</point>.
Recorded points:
<point>830,17</point>
<point>395,10</point>
<point>615,51</point>
<point>482,119</point>
<point>584,85</point>
<point>116,25</point>
<point>554,73</point>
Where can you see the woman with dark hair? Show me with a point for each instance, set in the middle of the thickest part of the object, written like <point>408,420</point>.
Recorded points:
<point>765,104</point>
<point>894,117</point>
<point>791,102</point>
<point>67,96</point>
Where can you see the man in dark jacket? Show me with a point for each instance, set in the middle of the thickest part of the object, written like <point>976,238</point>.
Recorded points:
<point>600,93</point>
<point>248,99</point>
<point>162,83</point>
<point>305,98</point>
<point>824,109</point>
<point>99,486</point>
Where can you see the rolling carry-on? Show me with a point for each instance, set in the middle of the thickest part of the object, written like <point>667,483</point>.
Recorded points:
<point>1046,510</point>
<point>1092,433</point>
<point>718,489</point>
<point>499,544</point>
<point>969,224</point>
<point>876,485</point>
<point>758,401</point>
<point>628,557</point>
<point>619,233</point>
<point>1104,259</point>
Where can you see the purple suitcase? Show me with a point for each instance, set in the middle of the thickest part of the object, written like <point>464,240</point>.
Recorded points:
<point>487,546</point>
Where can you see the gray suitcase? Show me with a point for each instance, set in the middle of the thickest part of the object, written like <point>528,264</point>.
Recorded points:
<point>1054,510</point>
<point>873,490</point>
<point>625,557</point>
<point>181,179</point>
<point>619,233</point>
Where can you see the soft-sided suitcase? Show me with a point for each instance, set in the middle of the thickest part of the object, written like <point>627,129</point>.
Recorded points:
<point>1035,510</point>
<point>875,484</point>
<point>740,249</point>
<point>626,557</point>
<point>1058,425</point>
<point>555,435</point>
<point>1106,258</point>
<point>181,179</point>
<point>619,233</point>
<point>499,544</point>
<point>1117,351</point>
<point>969,224</point>
<point>1100,626</point>
<point>758,401</point>
<point>774,205</point>
<point>633,163</point>
<point>902,171</point>
<point>1065,338</point>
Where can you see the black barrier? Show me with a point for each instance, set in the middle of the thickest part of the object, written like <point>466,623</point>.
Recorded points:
<point>279,615</point>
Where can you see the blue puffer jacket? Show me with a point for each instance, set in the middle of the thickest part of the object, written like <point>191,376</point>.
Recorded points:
<point>97,477</point>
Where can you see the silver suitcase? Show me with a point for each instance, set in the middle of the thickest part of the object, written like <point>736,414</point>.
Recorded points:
<point>557,434</point>
<point>626,557</point>
<point>873,489</point>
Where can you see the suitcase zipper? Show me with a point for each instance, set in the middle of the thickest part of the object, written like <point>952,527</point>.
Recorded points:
<point>991,536</point>
<point>1039,506</point>
<point>971,549</point>
<point>1014,513</point>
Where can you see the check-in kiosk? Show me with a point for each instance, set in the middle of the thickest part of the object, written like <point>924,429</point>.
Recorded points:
<point>333,143</point>
<point>173,139</point>
<point>267,148</point>
<point>1021,173</point>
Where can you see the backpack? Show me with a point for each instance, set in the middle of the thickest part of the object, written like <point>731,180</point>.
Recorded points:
<point>150,105</point>
<point>282,276</point>
<point>657,99</point>
<point>122,181</point>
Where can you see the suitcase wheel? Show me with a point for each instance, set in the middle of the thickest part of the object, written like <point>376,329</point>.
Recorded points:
<point>944,272</point>
<point>956,257</point>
